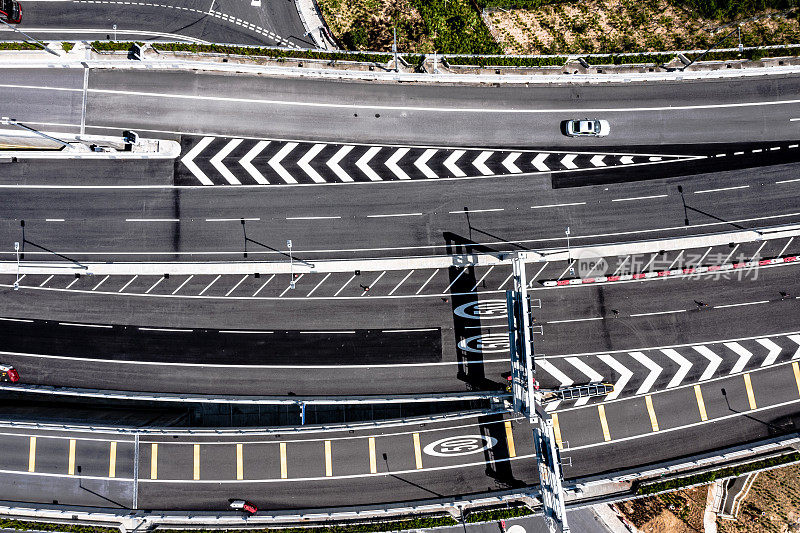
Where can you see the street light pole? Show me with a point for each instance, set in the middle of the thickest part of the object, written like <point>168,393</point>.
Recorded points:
<point>291,264</point>
<point>37,41</point>
<point>5,121</point>
<point>16,249</point>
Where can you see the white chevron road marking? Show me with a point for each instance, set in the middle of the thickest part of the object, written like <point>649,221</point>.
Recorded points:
<point>216,161</point>
<point>480,163</point>
<point>598,161</point>
<point>624,374</point>
<point>774,351</point>
<point>188,160</point>
<point>538,162</point>
<point>391,163</point>
<point>363,163</point>
<point>567,161</point>
<point>422,164</point>
<point>626,160</point>
<point>275,163</point>
<point>548,367</point>
<point>713,361</point>
<point>684,365</point>
<point>450,163</point>
<point>305,163</point>
<point>508,162</point>
<point>247,162</point>
<point>743,353</point>
<point>590,373</point>
<point>333,163</point>
<point>796,339</point>
<point>654,369</point>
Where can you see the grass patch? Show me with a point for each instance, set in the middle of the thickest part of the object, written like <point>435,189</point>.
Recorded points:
<point>18,46</point>
<point>503,513</point>
<point>67,46</point>
<point>113,46</point>
<point>48,526</point>
<point>277,53</point>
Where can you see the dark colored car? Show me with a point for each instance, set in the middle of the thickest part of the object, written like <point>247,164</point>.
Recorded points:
<point>8,373</point>
<point>10,11</point>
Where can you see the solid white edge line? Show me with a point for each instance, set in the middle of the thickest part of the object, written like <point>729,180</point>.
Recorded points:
<point>704,191</point>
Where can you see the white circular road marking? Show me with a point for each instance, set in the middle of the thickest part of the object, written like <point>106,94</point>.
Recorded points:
<point>459,445</point>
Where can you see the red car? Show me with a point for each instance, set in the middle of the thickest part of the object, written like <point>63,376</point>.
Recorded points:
<point>8,373</point>
<point>244,505</point>
<point>10,11</point>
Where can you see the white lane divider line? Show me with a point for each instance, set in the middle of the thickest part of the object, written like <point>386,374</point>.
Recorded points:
<point>538,163</point>
<point>705,191</point>
<point>780,254</point>
<point>317,286</point>
<point>54,220</point>
<point>744,356</point>
<point>98,285</point>
<point>182,284</point>
<point>656,313</point>
<point>263,285</point>
<point>463,269</point>
<point>236,286</point>
<point>591,373</point>
<point>45,281</point>
<point>733,251</point>
<point>213,281</point>
<point>450,163</point>
<point>188,160</point>
<point>557,205</point>
<point>773,350</point>
<point>126,285</point>
<point>483,277</point>
<point>247,162</point>
<point>252,219</point>
<point>289,286</point>
<point>346,283</point>
<point>152,220</point>
<point>758,252</point>
<point>480,163</point>
<point>713,361</point>
<point>217,163</point>
<point>652,196</point>
<point>371,285</point>
<point>427,281</point>
<point>363,163</point>
<point>684,365</point>
<point>391,215</point>
<point>101,326</point>
<point>275,163</point>
<point>743,304</point>
<point>652,376</point>
<point>508,162</point>
<point>314,218</point>
<point>333,163</point>
<point>401,282</point>
<point>305,163</point>
<point>391,163</point>
<point>625,374</point>
<point>154,285</point>
<point>422,164</point>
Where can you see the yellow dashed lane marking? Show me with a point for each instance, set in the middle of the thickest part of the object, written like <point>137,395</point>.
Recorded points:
<point>71,464</point>
<point>32,455</point>
<point>652,412</point>
<point>154,461</point>
<point>557,431</point>
<point>701,405</point>
<point>112,459</point>
<point>796,369</point>
<point>283,460</point>
<point>196,462</point>
<point>373,465</point>
<point>512,452</point>
<point>328,459</point>
<point>749,386</point>
<point>417,451</point>
<point>239,462</point>
<point>601,410</point>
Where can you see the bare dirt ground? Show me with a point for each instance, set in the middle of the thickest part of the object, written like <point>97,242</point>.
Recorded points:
<point>772,505</point>
<point>676,512</point>
<point>606,26</point>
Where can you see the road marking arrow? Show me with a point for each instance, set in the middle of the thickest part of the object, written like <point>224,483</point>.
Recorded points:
<point>391,163</point>
<point>713,361</point>
<point>567,161</point>
<point>626,159</point>
<point>480,163</point>
<point>508,162</point>
<point>188,160</point>
<point>796,339</point>
<point>624,374</point>
<point>684,366</point>
<point>538,162</point>
<point>654,369</point>
<point>216,161</point>
<point>597,161</point>
<point>363,163</point>
<point>590,373</point>
<point>421,163</point>
<point>305,163</point>
<point>450,163</point>
<point>275,163</point>
<point>333,163</point>
<point>547,366</point>
<point>247,162</point>
<point>743,353</point>
<point>774,351</point>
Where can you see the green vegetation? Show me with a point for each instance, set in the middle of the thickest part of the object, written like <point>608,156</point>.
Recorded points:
<point>19,46</point>
<point>67,46</point>
<point>112,46</point>
<point>277,53</point>
<point>708,477</point>
<point>366,527</point>
<point>733,9</point>
<point>47,526</point>
<point>503,513</point>
<point>456,27</point>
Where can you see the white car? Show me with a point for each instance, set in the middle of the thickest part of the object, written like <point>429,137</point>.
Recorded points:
<point>587,128</point>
